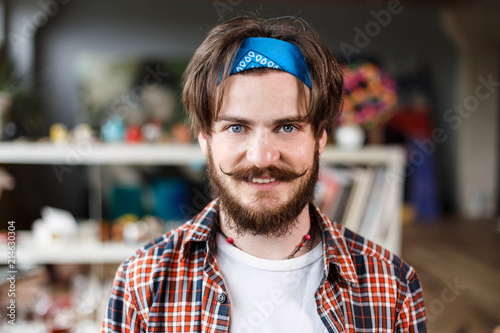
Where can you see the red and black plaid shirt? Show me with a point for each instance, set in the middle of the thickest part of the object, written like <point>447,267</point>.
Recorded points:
<point>173,284</point>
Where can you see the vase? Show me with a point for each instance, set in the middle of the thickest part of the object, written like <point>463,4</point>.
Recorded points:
<point>349,137</point>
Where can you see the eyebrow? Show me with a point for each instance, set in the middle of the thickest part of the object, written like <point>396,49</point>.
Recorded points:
<point>245,121</point>
<point>235,120</point>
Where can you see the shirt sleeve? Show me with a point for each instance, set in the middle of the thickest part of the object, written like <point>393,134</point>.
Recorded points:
<point>411,317</point>
<point>122,314</point>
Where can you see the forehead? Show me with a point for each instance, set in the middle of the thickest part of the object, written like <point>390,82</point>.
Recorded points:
<point>264,94</point>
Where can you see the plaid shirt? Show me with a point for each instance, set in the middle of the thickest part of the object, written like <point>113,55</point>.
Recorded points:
<point>173,284</point>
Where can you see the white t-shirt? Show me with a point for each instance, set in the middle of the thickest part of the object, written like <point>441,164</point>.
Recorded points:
<point>271,295</point>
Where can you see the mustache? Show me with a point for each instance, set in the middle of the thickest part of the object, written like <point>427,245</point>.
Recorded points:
<point>246,174</point>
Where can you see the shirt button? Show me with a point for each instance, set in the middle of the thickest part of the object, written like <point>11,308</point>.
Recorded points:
<point>221,298</point>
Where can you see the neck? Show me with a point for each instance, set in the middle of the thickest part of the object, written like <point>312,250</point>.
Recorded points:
<point>273,248</point>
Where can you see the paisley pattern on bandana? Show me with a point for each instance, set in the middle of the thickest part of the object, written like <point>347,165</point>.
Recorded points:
<point>257,52</point>
<point>253,59</point>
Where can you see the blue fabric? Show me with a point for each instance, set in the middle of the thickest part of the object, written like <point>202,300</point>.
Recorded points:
<point>259,52</point>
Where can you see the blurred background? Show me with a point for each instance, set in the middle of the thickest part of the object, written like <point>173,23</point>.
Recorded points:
<point>96,157</point>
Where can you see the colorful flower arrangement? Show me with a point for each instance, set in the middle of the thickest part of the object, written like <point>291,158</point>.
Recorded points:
<point>370,95</point>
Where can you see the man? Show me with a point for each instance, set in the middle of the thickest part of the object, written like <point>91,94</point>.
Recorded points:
<point>263,96</point>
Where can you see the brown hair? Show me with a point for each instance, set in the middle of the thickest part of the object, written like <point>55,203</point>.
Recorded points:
<point>202,99</point>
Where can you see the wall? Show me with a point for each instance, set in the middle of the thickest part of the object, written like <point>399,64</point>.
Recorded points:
<point>2,24</point>
<point>476,31</point>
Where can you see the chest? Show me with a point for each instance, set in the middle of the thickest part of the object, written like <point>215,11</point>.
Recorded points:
<point>221,298</point>
<point>273,301</point>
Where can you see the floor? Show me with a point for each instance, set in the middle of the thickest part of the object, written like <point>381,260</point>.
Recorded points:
<point>458,263</point>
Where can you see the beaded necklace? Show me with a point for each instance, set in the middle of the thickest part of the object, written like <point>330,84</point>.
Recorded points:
<point>309,237</point>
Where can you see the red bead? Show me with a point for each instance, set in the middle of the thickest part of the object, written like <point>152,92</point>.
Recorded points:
<point>229,240</point>
<point>307,237</point>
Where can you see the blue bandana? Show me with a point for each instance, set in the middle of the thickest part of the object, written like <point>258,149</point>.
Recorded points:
<point>257,52</point>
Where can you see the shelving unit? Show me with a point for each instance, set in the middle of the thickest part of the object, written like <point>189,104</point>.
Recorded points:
<point>156,154</point>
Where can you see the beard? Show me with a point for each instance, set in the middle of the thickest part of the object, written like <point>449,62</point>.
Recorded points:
<point>273,219</point>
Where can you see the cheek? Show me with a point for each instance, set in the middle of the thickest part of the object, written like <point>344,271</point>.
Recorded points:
<point>226,152</point>
<point>222,158</point>
<point>298,153</point>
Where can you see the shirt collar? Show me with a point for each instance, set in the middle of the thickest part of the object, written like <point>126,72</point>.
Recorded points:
<point>335,251</point>
<point>201,228</point>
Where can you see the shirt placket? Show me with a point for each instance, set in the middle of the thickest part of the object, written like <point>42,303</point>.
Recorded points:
<point>329,308</point>
<point>215,306</point>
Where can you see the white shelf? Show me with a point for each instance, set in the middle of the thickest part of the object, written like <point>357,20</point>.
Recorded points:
<point>95,154</point>
<point>70,253</point>
<point>157,154</point>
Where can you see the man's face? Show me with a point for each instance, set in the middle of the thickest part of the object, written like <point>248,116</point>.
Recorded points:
<point>262,157</point>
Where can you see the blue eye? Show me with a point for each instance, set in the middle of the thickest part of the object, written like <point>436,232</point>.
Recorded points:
<point>236,128</point>
<point>288,128</point>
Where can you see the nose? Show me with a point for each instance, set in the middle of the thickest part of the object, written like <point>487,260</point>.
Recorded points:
<point>261,152</point>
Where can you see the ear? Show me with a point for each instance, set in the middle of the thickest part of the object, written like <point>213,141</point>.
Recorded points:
<point>203,141</point>
<point>322,142</point>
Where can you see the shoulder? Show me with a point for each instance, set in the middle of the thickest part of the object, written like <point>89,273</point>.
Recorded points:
<point>371,259</point>
<point>361,258</point>
<point>378,279</point>
<point>139,278</point>
<point>170,248</point>
<point>157,253</point>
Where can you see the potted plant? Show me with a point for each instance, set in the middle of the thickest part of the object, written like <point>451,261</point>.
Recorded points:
<point>7,91</point>
<point>370,98</point>
<point>18,109</point>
